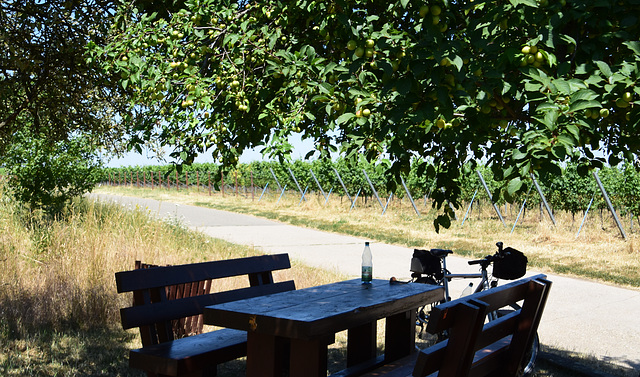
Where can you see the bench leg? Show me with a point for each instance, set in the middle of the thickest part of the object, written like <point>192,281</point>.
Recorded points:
<point>308,358</point>
<point>265,355</point>
<point>361,343</point>
<point>400,333</point>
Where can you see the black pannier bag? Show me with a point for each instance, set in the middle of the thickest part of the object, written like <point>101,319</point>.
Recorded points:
<point>512,266</point>
<point>425,263</point>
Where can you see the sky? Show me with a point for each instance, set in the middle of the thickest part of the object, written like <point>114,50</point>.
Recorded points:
<point>135,159</point>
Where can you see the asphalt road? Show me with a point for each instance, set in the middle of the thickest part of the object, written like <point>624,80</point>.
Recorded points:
<point>581,316</point>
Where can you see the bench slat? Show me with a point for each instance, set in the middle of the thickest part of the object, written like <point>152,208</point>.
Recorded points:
<point>192,353</point>
<point>143,315</point>
<point>128,281</point>
<point>476,349</point>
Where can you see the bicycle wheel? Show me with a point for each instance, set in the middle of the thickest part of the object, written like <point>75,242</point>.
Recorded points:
<point>529,362</point>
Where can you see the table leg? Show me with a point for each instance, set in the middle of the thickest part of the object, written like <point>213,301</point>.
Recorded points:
<point>308,358</point>
<point>361,343</point>
<point>265,355</point>
<point>400,335</point>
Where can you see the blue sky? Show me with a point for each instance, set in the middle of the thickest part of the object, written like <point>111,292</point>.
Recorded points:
<point>134,159</point>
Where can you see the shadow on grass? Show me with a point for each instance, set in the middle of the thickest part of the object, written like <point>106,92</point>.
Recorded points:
<point>95,352</point>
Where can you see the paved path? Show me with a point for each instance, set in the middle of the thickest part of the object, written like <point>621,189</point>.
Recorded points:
<point>581,316</point>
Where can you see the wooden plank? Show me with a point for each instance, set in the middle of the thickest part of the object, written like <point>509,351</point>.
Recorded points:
<point>321,310</point>
<point>127,281</point>
<point>192,353</point>
<point>144,315</point>
<point>400,335</point>
<point>361,343</point>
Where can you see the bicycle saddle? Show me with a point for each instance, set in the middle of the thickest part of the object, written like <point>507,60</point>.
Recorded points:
<point>440,253</point>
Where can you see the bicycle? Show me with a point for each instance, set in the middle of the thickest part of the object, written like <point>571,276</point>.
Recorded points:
<point>430,267</point>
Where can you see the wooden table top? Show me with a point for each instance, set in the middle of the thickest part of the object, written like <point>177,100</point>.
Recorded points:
<point>318,311</point>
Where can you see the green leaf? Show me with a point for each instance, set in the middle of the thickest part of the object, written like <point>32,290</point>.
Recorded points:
<point>514,185</point>
<point>581,105</point>
<point>584,95</point>
<point>344,118</point>
<point>633,46</point>
<point>604,68</point>
<point>531,3</point>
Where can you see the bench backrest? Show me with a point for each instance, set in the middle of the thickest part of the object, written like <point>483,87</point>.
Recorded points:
<point>182,327</point>
<point>475,348</point>
<point>155,306</point>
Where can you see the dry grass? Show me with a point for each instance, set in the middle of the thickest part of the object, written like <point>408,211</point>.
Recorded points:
<point>59,309</point>
<point>598,253</point>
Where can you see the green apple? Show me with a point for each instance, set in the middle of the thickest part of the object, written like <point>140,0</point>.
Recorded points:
<point>435,10</point>
<point>366,113</point>
<point>627,96</point>
<point>351,45</point>
<point>369,43</point>
<point>604,112</point>
<point>359,52</point>
<point>424,10</point>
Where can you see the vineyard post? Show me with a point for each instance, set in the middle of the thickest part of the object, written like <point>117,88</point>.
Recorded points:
<point>373,188</point>
<point>495,207</point>
<point>151,174</point>
<point>343,185</point>
<point>222,183</point>
<point>209,182</point>
<point>252,188</point>
<point>144,178</point>
<point>328,195</point>
<point>263,191</point>
<point>236,181</point>
<point>281,194</point>
<point>168,181</point>
<point>606,199</point>
<point>544,200</point>
<point>521,209</point>
<point>584,218</point>
<point>303,194</point>
<point>469,208</point>
<point>186,179</point>
<point>409,196</point>
<point>318,183</point>
<point>137,179</point>
<point>296,182</point>
<point>275,178</point>
<point>353,203</point>
<point>455,216</point>
<point>197,180</point>
<point>387,205</point>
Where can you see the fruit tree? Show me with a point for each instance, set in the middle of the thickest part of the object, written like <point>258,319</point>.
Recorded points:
<point>518,84</point>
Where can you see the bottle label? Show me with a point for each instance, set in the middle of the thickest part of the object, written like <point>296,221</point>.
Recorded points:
<point>367,274</point>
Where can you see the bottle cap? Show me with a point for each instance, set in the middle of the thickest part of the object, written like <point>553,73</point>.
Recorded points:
<point>366,243</point>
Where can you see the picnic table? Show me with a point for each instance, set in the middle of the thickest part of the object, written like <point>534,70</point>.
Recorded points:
<point>299,325</point>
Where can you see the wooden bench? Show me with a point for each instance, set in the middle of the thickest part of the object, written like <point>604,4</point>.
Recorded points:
<point>164,297</point>
<point>182,327</point>
<point>475,348</point>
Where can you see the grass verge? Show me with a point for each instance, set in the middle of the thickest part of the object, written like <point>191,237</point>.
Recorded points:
<point>599,253</point>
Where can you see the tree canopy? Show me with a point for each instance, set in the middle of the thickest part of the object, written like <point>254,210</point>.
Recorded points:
<point>518,84</point>
<point>47,86</point>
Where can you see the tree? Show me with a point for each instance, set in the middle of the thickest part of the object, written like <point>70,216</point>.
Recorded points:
<point>518,84</point>
<point>52,97</point>
<point>47,86</point>
<point>47,175</point>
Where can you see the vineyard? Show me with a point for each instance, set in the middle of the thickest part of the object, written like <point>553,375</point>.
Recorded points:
<point>568,192</point>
